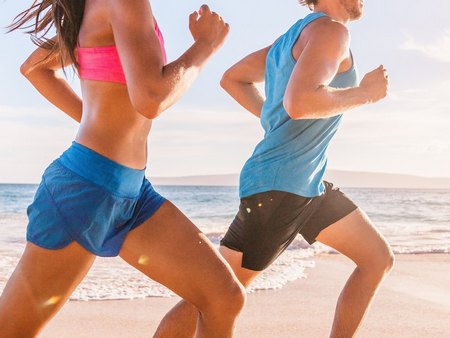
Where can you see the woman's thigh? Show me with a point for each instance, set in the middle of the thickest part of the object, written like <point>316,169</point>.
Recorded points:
<point>171,250</point>
<point>40,285</point>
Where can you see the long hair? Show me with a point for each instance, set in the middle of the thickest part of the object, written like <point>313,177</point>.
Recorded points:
<point>64,15</point>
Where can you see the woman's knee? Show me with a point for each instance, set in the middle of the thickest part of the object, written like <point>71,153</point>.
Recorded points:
<point>229,299</point>
<point>234,297</point>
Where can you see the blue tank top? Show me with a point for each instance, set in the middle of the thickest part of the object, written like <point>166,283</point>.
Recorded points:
<point>292,156</point>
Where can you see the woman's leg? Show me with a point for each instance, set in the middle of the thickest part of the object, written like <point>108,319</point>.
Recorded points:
<point>355,237</point>
<point>40,285</point>
<point>181,320</point>
<point>169,249</point>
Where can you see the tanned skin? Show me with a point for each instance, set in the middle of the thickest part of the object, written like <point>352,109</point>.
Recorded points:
<point>322,51</point>
<point>115,121</point>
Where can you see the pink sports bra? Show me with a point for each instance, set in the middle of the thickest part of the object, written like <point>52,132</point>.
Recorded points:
<point>103,63</point>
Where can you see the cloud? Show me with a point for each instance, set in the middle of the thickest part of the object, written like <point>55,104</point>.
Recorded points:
<point>35,116</point>
<point>189,141</point>
<point>423,99</point>
<point>407,135</point>
<point>439,49</point>
<point>437,147</point>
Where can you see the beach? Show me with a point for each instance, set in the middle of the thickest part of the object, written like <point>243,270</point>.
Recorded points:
<point>414,301</point>
<point>295,297</point>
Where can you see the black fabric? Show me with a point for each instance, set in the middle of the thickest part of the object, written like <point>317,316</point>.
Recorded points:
<point>268,222</point>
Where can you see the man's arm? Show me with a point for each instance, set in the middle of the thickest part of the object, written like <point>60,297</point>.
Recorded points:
<point>308,95</point>
<point>240,81</point>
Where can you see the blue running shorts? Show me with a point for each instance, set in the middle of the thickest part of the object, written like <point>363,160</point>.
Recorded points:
<point>88,198</point>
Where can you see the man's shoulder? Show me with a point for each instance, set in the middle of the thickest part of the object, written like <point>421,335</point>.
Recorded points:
<point>325,28</point>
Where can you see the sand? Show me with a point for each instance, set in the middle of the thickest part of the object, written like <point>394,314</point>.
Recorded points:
<point>413,302</point>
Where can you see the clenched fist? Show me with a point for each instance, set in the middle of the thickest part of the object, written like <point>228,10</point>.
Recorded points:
<point>208,27</point>
<point>375,84</point>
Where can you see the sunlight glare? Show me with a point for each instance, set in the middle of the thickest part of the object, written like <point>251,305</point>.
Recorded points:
<point>52,301</point>
<point>143,260</point>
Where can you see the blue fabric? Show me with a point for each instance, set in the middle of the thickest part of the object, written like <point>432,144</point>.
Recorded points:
<point>87,198</point>
<point>292,155</point>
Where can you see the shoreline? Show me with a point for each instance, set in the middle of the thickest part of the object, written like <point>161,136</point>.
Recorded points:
<point>414,301</point>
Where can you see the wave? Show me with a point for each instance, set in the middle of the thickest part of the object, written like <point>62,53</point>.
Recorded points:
<point>414,222</point>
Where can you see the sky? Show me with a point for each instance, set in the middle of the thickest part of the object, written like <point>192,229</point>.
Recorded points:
<point>208,133</point>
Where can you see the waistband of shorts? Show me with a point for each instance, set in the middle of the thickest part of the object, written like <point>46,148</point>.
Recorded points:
<point>100,170</point>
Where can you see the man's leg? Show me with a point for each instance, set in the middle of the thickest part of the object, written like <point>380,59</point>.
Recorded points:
<point>248,232</point>
<point>355,237</point>
<point>181,321</point>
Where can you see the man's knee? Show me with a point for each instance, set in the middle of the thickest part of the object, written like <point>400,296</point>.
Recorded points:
<point>381,261</point>
<point>390,261</point>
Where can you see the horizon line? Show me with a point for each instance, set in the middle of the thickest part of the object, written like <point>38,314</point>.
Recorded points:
<point>230,174</point>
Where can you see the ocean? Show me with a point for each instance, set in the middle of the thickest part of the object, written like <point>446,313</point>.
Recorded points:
<point>413,221</point>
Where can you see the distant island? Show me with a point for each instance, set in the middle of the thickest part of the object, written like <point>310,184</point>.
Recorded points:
<point>348,179</point>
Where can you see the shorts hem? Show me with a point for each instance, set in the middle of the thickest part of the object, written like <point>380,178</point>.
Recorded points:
<point>48,247</point>
<point>248,266</point>
<point>245,264</point>
<point>66,244</point>
<point>230,247</point>
<point>150,214</point>
<point>311,237</point>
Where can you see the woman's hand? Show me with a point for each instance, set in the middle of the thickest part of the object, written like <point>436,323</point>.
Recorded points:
<point>208,27</point>
<point>154,87</point>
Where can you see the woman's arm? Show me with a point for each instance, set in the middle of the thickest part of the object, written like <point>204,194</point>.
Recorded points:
<point>46,78</point>
<point>240,81</point>
<point>152,86</point>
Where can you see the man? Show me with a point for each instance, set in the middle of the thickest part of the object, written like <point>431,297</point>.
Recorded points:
<point>310,80</point>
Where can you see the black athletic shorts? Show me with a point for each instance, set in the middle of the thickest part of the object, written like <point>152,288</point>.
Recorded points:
<point>268,222</point>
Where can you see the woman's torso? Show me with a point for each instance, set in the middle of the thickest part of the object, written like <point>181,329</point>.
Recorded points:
<point>292,155</point>
<point>110,125</point>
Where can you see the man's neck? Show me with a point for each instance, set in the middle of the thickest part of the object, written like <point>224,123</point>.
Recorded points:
<point>334,11</point>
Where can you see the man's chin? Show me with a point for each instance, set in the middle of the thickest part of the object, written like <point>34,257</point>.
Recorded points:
<point>356,15</point>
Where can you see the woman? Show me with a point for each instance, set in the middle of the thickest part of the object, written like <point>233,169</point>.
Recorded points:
<point>94,199</point>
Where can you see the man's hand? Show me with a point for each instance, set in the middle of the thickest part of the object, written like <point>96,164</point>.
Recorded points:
<point>375,84</point>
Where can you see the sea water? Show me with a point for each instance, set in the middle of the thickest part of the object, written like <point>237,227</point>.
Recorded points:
<point>413,221</point>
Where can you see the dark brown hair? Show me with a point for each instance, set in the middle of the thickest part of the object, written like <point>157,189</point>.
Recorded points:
<point>64,15</point>
<point>309,3</point>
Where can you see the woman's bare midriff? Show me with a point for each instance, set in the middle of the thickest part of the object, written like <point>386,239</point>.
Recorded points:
<point>111,126</point>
